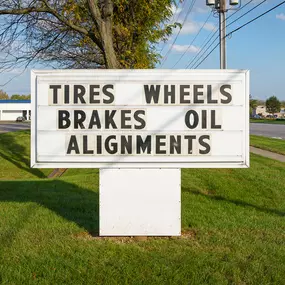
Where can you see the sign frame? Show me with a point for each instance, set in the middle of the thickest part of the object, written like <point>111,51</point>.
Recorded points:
<point>35,163</point>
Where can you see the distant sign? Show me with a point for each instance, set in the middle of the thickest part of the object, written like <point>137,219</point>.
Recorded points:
<point>140,118</point>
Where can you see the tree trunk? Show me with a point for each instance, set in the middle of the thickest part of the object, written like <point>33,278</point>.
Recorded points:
<point>104,23</point>
<point>108,45</point>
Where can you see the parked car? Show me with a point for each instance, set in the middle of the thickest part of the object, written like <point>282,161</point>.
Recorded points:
<point>20,119</point>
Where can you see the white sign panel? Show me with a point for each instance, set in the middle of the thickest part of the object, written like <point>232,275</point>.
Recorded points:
<point>140,202</point>
<point>140,118</point>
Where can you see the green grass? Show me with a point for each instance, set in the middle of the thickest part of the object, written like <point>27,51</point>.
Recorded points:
<point>15,154</point>
<point>274,145</point>
<point>232,219</point>
<point>268,121</point>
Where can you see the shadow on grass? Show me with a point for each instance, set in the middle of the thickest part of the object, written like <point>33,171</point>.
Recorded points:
<point>14,152</point>
<point>70,201</point>
<point>236,202</point>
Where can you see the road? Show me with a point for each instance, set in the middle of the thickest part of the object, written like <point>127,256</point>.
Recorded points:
<point>11,127</point>
<point>268,130</point>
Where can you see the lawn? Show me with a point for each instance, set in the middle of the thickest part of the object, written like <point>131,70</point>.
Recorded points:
<point>268,121</point>
<point>274,145</point>
<point>232,219</point>
<point>15,157</point>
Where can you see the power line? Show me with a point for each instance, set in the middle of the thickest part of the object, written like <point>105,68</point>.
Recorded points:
<point>203,46</point>
<point>193,39</point>
<point>199,55</point>
<point>178,14</point>
<point>237,29</point>
<point>195,60</point>
<point>185,18</point>
<point>254,19</point>
<point>246,13</point>
<point>207,55</point>
<point>174,20</point>
<point>238,10</point>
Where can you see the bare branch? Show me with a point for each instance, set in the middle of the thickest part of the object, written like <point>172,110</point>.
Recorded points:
<point>46,8</point>
<point>63,20</point>
<point>22,11</point>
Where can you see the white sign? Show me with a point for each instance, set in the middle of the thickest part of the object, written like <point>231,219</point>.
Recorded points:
<point>140,118</point>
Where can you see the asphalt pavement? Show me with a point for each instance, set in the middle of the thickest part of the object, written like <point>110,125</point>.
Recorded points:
<point>13,126</point>
<point>268,130</point>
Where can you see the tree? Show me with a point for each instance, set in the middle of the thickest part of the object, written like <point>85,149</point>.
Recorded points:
<point>3,95</point>
<point>260,102</point>
<point>83,33</point>
<point>253,103</point>
<point>20,97</point>
<point>273,105</point>
<point>16,97</point>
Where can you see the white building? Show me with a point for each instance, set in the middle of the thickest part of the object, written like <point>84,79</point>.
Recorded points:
<point>261,110</point>
<point>10,110</point>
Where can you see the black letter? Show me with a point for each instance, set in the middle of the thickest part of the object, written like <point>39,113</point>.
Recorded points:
<point>79,92</point>
<point>226,94</point>
<point>195,121</point>
<point>190,143</point>
<point>170,93</point>
<point>109,119</point>
<point>183,93</point>
<point>159,144</point>
<point>109,94</point>
<point>204,144</point>
<point>79,118</point>
<point>73,145</point>
<point>66,94</point>
<point>55,88</point>
<point>204,119</point>
<point>151,93</point>
<point>114,145</point>
<point>126,144</point>
<point>142,145</point>
<point>85,146</point>
<point>99,144</point>
<point>209,95</point>
<point>175,144</point>
<point>124,119</point>
<point>197,93</point>
<point>213,120</point>
<point>95,120</point>
<point>93,93</point>
<point>63,116</point>
<point>139,119</point>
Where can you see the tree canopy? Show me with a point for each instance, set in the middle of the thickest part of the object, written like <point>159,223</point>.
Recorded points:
<point>253,103</point>
<point>3,95</point>
<point>83,33</point>
<point>273,105</point>
<point>20,97</point>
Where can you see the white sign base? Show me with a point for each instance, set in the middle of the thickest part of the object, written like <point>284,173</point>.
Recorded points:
<point>140,202</point>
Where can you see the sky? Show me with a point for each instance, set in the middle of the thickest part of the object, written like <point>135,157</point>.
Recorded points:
<point>258,47</point>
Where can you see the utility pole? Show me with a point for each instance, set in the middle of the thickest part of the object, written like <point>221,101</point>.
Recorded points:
<point>222,24</point>
<point>221,7</point>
